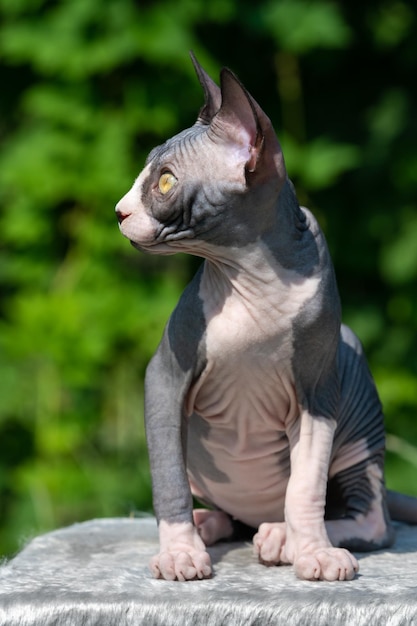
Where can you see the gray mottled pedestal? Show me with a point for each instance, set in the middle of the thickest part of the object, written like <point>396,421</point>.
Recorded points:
<point>96,573</point>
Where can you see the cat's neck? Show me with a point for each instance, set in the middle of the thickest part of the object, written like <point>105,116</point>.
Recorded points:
<point>288,256</point>
<point>292,244</point>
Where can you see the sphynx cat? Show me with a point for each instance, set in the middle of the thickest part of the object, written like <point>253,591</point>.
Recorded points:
<point>259,402</point>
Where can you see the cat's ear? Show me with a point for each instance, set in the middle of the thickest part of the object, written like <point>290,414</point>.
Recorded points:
<point>212,94</point>
<point>242,120</point>
<point>237,118</point>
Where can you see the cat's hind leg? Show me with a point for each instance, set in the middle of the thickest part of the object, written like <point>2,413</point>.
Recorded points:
<point>356,505</point>
<point>357,497</point>
<point>213,525</point>
<point>216,525</point>
<point>269,543</point>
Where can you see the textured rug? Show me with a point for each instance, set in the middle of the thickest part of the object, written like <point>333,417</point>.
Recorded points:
<point>96,573</point>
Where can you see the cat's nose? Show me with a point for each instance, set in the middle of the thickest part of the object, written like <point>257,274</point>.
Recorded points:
<point>121,212</point>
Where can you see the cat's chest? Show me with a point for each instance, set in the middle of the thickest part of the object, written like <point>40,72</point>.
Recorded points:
<point>248,352</point>
<point>254,322</point>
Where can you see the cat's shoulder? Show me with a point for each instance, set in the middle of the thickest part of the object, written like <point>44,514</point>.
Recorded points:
<point>186,327</point>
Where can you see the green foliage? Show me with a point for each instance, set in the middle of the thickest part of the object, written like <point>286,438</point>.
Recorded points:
<point>300,26</point>
<point>318,163</point>
<point>88,88</point>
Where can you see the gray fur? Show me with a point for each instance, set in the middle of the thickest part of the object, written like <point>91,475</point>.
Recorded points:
<point>96,574</point>
<point>186,329</point>
<point>180,360</point>
<point>294,246</point>
<point>166,430</point>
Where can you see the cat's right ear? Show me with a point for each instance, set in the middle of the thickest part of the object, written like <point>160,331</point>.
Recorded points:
<point>212,94</point>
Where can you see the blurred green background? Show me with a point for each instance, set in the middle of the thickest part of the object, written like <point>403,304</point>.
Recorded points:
<point>87,88</point>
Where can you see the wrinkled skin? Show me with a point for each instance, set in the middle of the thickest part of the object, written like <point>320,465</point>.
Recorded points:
<point>258,400</point>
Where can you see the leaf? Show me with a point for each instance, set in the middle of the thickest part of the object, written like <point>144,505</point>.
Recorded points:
<point>399,256</point>
<point>300,26</point>
<point>320,162</point>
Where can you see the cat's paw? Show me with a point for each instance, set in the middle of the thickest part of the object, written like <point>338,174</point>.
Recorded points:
<point>181,564</point>
<point>182,553</point>
<point>269,543</point>
<point>326,564</point>
<point>212,525</point>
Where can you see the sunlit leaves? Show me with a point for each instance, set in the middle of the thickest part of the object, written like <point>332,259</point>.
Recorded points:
<point>88,88</point>
<point>399,257</point>
<point>300,26</point>
<point>320,162</point>
<point>391,22</point>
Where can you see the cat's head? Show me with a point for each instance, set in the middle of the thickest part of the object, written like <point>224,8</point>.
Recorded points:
<point>214,184</point>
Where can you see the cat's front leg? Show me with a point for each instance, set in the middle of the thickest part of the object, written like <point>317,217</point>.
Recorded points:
<point>307,544</point>
<point>182,553</point>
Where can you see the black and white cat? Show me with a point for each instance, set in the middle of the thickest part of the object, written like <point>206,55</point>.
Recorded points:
<point>258,401</point>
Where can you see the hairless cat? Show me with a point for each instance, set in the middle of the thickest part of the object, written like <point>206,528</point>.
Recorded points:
<point>259,402</point>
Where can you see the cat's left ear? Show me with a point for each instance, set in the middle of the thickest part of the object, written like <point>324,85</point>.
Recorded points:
<point>238,119</point>
<point>242,120</point>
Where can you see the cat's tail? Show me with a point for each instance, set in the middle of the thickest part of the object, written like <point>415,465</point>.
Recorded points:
<point>402,508</point>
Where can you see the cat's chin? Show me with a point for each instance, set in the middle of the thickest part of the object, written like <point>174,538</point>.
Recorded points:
<point>159,248</point>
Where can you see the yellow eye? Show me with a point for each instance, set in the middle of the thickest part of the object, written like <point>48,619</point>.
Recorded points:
<point>166,182</point>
